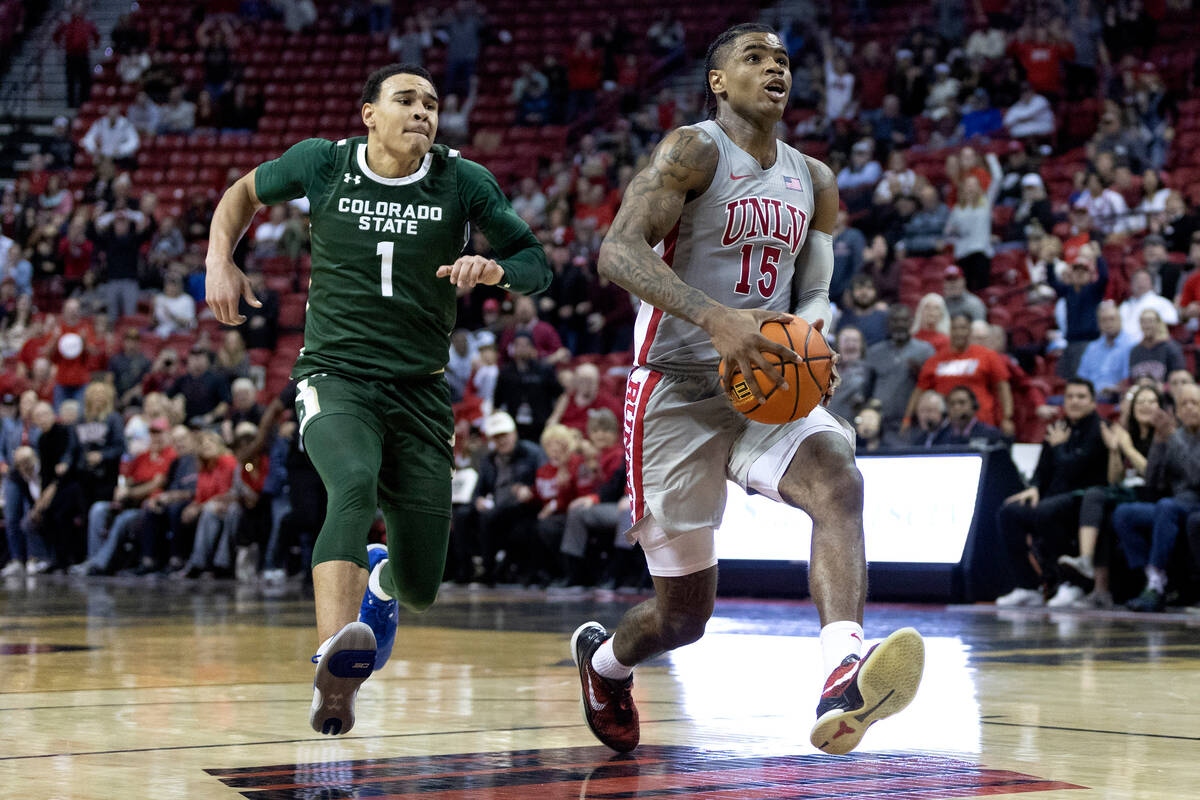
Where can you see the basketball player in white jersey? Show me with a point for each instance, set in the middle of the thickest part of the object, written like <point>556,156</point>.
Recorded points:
<point>745,225</point>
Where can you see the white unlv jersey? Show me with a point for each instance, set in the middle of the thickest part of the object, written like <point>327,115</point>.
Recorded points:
<point>737,243</point>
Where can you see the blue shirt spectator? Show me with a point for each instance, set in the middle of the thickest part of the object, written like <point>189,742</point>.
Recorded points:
<point>1083,290</point>
<point>1105,361</point>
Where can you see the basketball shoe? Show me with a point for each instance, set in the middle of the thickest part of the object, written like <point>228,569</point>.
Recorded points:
<point>862,691</point>
<point>608,707</point>
<point>343,663</point>
<point>380,614</point>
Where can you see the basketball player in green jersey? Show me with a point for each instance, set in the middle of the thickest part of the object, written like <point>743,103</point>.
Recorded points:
<point>391,213</point>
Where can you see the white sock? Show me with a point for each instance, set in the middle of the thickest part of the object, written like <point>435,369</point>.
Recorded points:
<point>373,582</point>
<point>1156,579</point>
<point>838,640</point>
<point>604,661</point>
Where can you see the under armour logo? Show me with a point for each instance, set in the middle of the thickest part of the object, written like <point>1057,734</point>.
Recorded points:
<point>356,178</point>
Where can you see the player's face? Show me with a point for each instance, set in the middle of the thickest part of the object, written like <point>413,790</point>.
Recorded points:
<point>405,117</point>
<point>755,78</point>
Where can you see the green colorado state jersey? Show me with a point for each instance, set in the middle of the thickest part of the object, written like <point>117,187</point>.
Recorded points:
<point>376,308</point>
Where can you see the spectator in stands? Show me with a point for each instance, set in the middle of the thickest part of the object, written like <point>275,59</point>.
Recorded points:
<point>848,246</point>
<point>862,173</point>
<point>487,372</point>
<point>232,360</point>
<point>585,65</point>
<point>119,236</point>
<point>58,506</point>
<point>179,113</point>
<point>69,346</point>
<point>891,129</point>
<point>454,120</point>
<point>1042,58</point>
<point>600,504</point>
<point>214,480</point>
<point>969,229</point>
<point>897,181</point>
<point>943,92</point>
<point>962,427</point>
<point>574,408</point>
<point>261,329</point>
<point>16,268</point>
<point>858,377</point>
<point>99,442</point>
<point>463,352</point>
<point>1031,116</point>
<point>1105,360</point>
<point>870,434</point>
<point>1157,355</point>
<point>1153,201</point>
<point>931,322</point>
<point>503,513</point>
<point>146,475</point>
<point>1164,274</point>
<point>1033,213</point>
<point>1106,207</point>
<point>958,299</point>
<point>409,47</point>
<point>297,14</point>
<point>1128,446</point>
<point>27,551</point>
<point>982,370</point>
<point>461,28</point>
<point>545,338</point>
<point>527,387</point>
<point>530,203</point>
<point>244,407</point>
<point>1141,297</point>
<point>268,234</point>
<point>1173,468</point>
<point>143,114</point>
<point>1040,520</point>
<point>112,136</point>
<point>666,37</point>
<point>931,413</point>
<point>865,312</point>
<point>161,512</point>
<point>897,362</point>
<point>174,310</point>
<point>203,393</point>
<point>923,231</point>
<point>1082,291</point>
<point>1176,224</point>
<point>128,367</point>
<point>839,85</point>
<point>77,35</point>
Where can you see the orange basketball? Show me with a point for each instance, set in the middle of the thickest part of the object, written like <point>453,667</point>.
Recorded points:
<point>807,381</point>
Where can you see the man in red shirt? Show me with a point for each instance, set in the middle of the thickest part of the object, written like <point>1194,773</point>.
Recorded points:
<point>525,320</point>
<point>144,477</point>
<point>598,487</point>
<point>214,483</point>
<point>70,348</point>
<point>77,36</point>
<point>585,71</point>
<point>1042,60</point>
<point>981,370</point>
<point>573,409</point>
<point>1188,301</point>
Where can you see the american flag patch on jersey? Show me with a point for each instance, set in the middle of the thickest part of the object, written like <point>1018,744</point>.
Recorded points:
<point>792,183</point>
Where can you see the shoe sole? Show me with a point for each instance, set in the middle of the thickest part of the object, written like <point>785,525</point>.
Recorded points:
<point>343,668</point>
<point>888,682</point>
<point>578,671</point>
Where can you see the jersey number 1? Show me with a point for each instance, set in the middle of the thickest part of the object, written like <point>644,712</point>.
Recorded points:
<point>768,270</point>
<point>385,249</point>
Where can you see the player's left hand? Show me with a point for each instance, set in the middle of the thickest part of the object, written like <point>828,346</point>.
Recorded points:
<point>468,271</point>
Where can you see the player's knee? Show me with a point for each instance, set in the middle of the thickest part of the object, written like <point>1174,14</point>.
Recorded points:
<point>354,485</point>
<point>679,629</point>
<point>840,494</point>
<point>417,599</point>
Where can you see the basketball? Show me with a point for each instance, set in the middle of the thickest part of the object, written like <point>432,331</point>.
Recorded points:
<point>806,381</point>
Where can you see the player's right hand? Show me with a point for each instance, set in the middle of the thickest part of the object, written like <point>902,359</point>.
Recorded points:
<point>224,285</point>
<point>736,335</point>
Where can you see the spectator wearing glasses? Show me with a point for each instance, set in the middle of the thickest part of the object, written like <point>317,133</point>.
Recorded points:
<point>1105,360</point>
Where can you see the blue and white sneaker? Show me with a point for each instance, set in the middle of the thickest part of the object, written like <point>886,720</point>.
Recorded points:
<point>343,663</point>
<point>380,614</point>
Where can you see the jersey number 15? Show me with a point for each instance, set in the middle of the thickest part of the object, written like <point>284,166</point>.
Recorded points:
<point>768,270</point>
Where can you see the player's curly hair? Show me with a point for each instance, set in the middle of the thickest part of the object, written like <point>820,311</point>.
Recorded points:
<point>717,51</point>
<point>370,92</point>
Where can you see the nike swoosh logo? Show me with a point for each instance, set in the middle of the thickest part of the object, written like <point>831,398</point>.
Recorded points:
<point>592,701</point>
<point>856,636</point>
<point>733,177</point>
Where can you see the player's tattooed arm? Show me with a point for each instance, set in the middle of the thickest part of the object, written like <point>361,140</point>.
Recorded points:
<point>682,166</point>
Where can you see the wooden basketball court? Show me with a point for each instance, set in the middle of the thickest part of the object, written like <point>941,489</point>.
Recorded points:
<point>125,688</point>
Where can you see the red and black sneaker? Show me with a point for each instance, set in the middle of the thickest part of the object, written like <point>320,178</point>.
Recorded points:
<point>608,707</point>
<point>862,691</point>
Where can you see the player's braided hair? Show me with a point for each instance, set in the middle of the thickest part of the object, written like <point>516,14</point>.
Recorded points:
<point>717,51</point>
<point>370,92</point>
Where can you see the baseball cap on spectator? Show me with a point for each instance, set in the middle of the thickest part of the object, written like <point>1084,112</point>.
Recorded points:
<point>491,304</point>
<point>498,423</point>
<point>941,69</point>
<point>953,273</point>
<point>1032,179</point>
<point>8,399</point>
<point>160,425</point>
